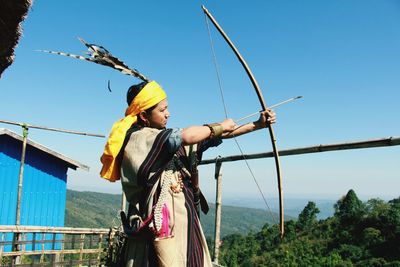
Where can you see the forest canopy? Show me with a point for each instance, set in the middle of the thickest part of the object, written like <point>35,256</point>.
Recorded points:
<point>358,234</point>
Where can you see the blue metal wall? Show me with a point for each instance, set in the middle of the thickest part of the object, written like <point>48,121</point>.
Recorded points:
<point>44,185</point>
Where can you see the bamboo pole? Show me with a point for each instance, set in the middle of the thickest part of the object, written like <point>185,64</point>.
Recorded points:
<point>54,258</point>
<point>382,142</point>
<point>21,175</point>
<point>2,239</point>
<point>72,247</point>
<point>52,252</point>
<point>62,250</point>
<point>33,247</point>
<point>17,236</point>
<point>50,128</point>
<point>81,247</point>
<point>218,206</point>
<point>99,248</point>
<point>42,255</point>
<point>90,246</point>
<point>50,229</point>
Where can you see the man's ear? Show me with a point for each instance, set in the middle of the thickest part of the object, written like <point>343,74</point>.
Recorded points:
<point>143,115</point>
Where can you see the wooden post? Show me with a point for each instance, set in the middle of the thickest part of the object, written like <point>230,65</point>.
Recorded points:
<point>21,175</point>
<point>90,247</point>
<point>82,246</point>
<point>72,247</point>
<point>99,248</point>
<point>33,248</point>
<point>23,242</point>
<point>2,244</point>
<point>42,255</point>
<point>54,258</point>
<point>17,236</point>
<point>218,202</point>
<point>62,250</point>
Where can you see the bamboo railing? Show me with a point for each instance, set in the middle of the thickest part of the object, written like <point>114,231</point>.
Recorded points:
<point>52,246</point>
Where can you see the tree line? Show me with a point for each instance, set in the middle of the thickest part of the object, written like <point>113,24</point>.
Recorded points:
<point>358,234</point>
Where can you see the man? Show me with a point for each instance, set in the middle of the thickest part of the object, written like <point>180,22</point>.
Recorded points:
<point>158,171</point>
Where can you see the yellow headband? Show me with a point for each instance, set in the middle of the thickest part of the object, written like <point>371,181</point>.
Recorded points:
<point>149,96</point>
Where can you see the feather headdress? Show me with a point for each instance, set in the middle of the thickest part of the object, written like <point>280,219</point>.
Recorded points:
<point>100,55</point>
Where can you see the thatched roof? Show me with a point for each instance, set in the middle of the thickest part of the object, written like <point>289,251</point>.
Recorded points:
<point>12,13</point>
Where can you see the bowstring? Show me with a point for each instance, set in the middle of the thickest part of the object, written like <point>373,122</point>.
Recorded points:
<point>226,116</point>
<point>216,68</point>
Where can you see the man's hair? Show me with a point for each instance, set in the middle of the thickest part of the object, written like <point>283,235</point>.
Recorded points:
<point>133,91</point>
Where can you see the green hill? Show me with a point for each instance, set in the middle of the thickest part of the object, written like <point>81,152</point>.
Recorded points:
<point>100,210</point>
<point>91,209</point>
<point>360,234</point>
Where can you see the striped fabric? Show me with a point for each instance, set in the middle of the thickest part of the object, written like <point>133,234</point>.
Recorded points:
<point>145,158</point>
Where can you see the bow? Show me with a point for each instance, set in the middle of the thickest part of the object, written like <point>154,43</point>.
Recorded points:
<point>264,107</point>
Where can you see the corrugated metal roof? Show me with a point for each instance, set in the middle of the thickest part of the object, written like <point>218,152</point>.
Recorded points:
<point>70,162</point>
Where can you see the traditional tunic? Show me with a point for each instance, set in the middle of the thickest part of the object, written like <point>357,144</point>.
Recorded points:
<point>153,161</point>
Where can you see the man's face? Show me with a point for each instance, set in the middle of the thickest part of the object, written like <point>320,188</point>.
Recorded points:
<point>158,117</point>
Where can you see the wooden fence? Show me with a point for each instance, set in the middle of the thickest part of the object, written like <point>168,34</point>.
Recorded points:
<point>53,246</point>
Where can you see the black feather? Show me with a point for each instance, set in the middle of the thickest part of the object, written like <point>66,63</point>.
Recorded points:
<point>100,55</point>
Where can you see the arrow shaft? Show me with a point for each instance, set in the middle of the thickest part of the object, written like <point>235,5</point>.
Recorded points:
<point>271,107</point>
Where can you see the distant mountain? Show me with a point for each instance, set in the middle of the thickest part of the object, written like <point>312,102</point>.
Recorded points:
<point>293,206</point>
<point>92,209</point>
<point>238,220</point>
<point>100,210</point>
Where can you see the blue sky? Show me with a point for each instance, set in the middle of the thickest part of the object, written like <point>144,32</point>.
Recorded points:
<point>342,56</point>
